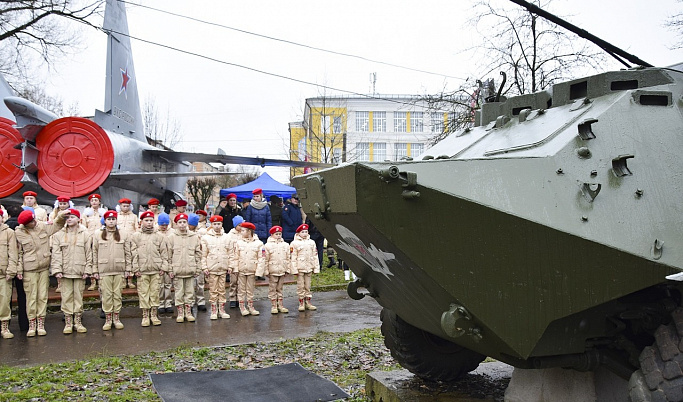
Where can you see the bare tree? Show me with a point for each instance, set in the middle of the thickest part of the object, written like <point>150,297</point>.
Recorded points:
<point>675,23</point>
<point>532,53</point>
<point>245,174</point>
<point>201,189</point>
<point>460,106</point>
<point>30,29</point>
<point>55,104</point>
<point>160,128</point>
<point>324,124</point>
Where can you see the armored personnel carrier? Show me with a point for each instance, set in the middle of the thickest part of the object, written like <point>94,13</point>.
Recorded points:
<point>549,235</point>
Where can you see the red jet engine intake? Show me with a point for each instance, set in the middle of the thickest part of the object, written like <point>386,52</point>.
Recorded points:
<point>10,158</point>
<point>75,156</point>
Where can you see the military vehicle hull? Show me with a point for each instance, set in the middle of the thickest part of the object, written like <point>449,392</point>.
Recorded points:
<point>543,237</point>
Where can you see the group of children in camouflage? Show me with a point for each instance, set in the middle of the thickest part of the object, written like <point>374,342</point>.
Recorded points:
<point>112,247</point>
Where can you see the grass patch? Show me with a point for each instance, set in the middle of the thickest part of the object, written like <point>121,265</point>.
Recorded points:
<point>343,358</point>
<point>328,277</point>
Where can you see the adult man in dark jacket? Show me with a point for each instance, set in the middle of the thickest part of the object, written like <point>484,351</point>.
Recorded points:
<point>291,219</point>
<point>276,210</point>
<point>318,238</point>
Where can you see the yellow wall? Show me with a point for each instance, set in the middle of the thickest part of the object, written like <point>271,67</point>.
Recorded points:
<point>328,139</point>
<point>317,138</point>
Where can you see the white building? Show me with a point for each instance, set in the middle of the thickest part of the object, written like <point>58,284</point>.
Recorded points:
<point>345,129</point>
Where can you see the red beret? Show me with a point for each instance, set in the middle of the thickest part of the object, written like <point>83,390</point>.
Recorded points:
<point>110,214</point>
<point>231,195</point>
<point>257,191</point>
<point>73,211</point>
<point>181,203</point>
<point>30,193</point>
<point>147,214</point>
<point>179,217</point>
<point>275,229</point>
<point>99,197</point>
<point>216,218</point>
<point>202,212</point>
<point>153,201</point>
<point>125,201</point>
<point>63,198</point>
<point>25,216</point>
<point>302,227</point>
<point>249,225</point>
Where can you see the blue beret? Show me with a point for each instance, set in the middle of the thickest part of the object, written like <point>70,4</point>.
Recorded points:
<point>237,220</point>
<point>163,219</point>
<point>193,220</point>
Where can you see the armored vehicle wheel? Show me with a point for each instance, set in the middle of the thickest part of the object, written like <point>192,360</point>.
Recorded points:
<point>423,354</point>
<point>660,377</point>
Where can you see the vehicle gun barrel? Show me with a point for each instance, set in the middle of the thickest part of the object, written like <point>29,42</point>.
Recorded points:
<point>606,46</point>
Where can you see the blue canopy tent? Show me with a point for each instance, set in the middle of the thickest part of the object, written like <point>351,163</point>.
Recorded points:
<point>269,186</point>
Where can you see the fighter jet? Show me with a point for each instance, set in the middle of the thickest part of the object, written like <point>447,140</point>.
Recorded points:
<point>108,154</point>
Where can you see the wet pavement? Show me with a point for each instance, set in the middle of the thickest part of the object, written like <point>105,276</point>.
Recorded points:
<point>336,313</point>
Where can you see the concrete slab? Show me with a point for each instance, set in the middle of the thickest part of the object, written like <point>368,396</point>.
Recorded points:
<point>336,313</point>
<point>487,382</point>
<point>560,385</point>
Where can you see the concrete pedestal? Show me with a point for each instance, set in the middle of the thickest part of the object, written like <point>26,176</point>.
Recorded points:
<point>487,382</point>
<point>560,385</point>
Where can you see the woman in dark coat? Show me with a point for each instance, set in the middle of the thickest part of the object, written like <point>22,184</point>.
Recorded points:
<point>258,213</point>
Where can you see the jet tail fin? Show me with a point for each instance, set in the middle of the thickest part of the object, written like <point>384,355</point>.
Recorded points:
<point>122,105</point>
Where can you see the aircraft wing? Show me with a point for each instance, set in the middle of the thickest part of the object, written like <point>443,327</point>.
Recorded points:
<point>154,175</point>
<point>230,159</point>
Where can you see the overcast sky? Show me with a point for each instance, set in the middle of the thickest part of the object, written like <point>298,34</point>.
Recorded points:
<point>245,112</point>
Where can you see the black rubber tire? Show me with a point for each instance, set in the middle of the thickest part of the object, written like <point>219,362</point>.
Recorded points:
<point>426,355</point>
<point>660,377</point>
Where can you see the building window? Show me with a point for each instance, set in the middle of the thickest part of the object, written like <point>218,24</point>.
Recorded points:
<point>379,122</point>
<point>400,122</point>
<point>437,122</point>
<point>362,122</point>
<point>330,155</point>
<point>336,156</point>
<point>417,122</point>
<point>379,151</point>
<point>400,150</point>
<point>363,151</point>
<point>416,149</point>
<point>337,125</point>
<point>324,124</point>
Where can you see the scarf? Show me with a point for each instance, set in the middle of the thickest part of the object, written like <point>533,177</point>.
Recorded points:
<point>258,204</point>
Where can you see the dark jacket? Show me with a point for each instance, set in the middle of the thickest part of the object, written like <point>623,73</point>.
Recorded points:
<point>291,219</point>
<point>276,214</point>
<point>12,222</point>
<point>313,231</point>
<point>227,214</point>
<point>261,219</point>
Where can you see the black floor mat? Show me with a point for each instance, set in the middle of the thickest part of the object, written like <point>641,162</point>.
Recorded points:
<point>284,383</point>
